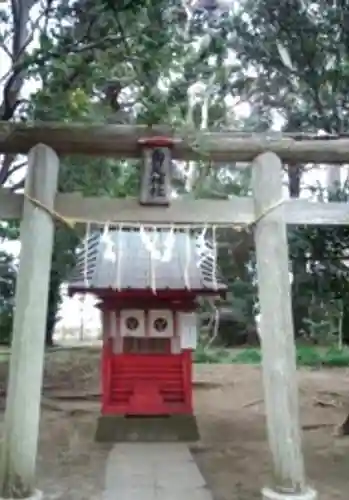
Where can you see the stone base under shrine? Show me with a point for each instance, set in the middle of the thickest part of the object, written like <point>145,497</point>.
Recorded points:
<point>120,428</point>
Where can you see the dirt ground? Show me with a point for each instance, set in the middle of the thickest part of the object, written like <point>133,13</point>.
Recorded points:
<point>233,455</point>
<point>233,452</point>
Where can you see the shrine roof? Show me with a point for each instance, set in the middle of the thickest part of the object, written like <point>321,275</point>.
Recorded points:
<point>122,260</point>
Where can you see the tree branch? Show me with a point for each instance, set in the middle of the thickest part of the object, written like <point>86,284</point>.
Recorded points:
<point>20,15</point>
<point>18,185</point>
<point>8,169</point>
<point>5,168</point>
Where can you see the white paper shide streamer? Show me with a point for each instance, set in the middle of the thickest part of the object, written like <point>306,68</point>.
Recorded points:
<point>150,238</point>
<point>153,257</point>
<point>108,244</point>
<point>187,258</point>
<point>109,254</point>
<point>86,243</point>
<point>159,242</point>
<point>119,256</point>
<point>206,252</point>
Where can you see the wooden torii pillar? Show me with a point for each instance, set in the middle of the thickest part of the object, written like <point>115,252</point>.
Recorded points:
<point>22,416</point>
<point>277,334</point>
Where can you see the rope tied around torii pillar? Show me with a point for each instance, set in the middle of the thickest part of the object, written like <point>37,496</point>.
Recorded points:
<point>53,213</point>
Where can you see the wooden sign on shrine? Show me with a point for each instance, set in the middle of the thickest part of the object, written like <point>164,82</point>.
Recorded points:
<point>156,173</point>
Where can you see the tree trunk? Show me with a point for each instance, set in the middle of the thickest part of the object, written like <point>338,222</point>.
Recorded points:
<point>63,261</point>
<point>344,428</point>
<point>54,302</point>
<point>299,309</point>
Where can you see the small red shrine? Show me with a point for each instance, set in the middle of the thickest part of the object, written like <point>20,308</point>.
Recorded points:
<point>148,308</point>
<point>147,282</point>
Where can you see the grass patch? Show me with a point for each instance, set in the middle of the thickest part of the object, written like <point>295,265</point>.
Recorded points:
<point>317,356</point>
<point>336,357</point>
<point>311,356</point>
<point>249,356</point>
<point>213,356</point>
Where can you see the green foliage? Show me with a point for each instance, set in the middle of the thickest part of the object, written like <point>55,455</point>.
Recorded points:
<point>321,287</point>
<point>63,260</point>
<point>248,356</point>
<point>283,60</point>
<point>8,272</point>
<point>9,231</point>
<point>292,64</point>
<point>306,356</point>
<point>73,90</point>
<point>317,357</point>
<point>212,356</point>
<point>235,258</point>
<point>309,356</point>
<point>7,295</point>
<point>300,58</point>
<point>336,357</point>
<point>145,52</point>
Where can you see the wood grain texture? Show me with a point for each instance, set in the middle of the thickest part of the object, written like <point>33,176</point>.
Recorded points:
<point>20,438</point>
<point>276,327</point>
<point>235,211</point>
<point>122,141</point>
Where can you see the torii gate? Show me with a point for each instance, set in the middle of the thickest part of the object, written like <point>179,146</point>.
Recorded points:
<point>267,212</point>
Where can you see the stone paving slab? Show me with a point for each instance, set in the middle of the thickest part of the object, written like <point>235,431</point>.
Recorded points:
<point>147,471</point>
